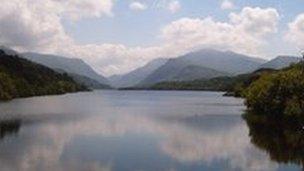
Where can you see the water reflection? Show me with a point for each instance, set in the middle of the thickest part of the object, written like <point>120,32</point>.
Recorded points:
<point>117,133</point>
<point>9,127</point>
<point>282,139</point>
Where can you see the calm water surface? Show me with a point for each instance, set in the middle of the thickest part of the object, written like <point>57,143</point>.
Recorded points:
<point>129,131</point>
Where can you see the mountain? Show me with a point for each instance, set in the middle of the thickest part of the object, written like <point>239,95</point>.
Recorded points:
<point>225,61</point>
<point>180,70</point>
<point>22,78</point>
<point>88,82</point>
<point>193,72</point>
<point>233,85</point>
<point>69,65</point>
<point>136,76</point>
<point>206,63</point>
<point>281,62</point>
<point>8,51</point>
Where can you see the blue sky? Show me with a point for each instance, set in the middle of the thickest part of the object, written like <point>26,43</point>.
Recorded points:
<point>116,36</point>
<point>140,28</point>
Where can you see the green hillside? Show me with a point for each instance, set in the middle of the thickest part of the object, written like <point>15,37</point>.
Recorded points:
<point>232,85</point>
<point>22,78</point>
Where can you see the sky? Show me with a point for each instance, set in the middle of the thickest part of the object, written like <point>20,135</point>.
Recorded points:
<point>116,36</point>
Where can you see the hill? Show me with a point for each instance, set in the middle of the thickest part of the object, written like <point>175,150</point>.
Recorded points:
<point>136,76</point>
<point>212,64</point>
<point>180,70</point>
<point>281,62</point>
<point>225,61</point>
<point>233,85</point>
<point>22,78</point>
<point>88,82</point>
<point>72,66</point>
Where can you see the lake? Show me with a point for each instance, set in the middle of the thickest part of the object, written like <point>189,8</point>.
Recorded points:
<point>129,131</point>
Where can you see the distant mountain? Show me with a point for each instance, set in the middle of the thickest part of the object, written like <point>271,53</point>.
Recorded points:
<point>69,65</point>
<point>281,62</point>
<point>193,72</point>
<point>88,82</point>
<point>205,63</point>
<point>136,76</point>
<point>233,85</point>
<point>20,77</point>
<point>180,70</point>
<point>225,61</point>
<point>8,51</point>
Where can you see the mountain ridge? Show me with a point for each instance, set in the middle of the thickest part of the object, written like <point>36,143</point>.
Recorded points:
<point>225,62</point>
<point>281,62</point>
<point>69,65</point>
<point>74,67</point>
<point>134,77</point>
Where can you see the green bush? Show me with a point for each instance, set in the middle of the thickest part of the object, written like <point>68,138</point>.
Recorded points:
<point>278,94</point>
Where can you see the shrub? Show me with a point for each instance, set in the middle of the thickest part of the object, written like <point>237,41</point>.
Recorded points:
<point>280,93</point>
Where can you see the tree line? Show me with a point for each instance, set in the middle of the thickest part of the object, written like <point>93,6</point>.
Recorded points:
<point>22,78</point>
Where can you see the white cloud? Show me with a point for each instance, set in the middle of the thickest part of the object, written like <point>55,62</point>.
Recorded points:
<point>180,141</point>
<point>295,33</point>
<point>174,6</point>
<point>28,24</point>
<point>227,5</point>
<point>244,32</point>
<point>33,25</point>
<point>256,21</point>
<point>137,6</point>
<point>36,24</point>
<point>77,9</point>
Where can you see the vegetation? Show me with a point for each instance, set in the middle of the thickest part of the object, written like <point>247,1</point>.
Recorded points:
<point>22,78</point>
<point>88,82</point>
<point>233,85</point>
<point>278,94</point>
<point>275,114</point>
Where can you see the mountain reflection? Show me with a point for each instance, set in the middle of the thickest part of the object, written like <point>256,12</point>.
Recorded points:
<point>9,127</point>
<point>283,139</point>
<point>142,132</point>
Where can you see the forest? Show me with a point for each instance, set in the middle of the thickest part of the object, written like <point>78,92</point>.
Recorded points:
<point>22,78</point>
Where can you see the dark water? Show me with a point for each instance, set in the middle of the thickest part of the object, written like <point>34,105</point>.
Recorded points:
<point>129,131</point>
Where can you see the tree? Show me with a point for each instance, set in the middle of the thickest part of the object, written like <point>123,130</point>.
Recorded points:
<point>22,78</point>
<point>278,94</point>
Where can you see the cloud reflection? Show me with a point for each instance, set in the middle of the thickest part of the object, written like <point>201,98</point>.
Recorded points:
<point>41,146</point>
<point>179,134</point>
